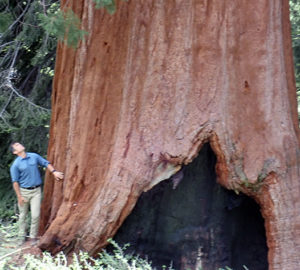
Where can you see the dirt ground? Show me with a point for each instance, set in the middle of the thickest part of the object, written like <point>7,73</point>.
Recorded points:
<point>12,251</point>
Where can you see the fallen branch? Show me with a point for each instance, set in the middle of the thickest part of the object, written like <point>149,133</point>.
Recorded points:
<point>16,251</point>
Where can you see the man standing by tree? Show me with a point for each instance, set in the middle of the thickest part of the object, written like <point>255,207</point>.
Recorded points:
<point>27,182</point>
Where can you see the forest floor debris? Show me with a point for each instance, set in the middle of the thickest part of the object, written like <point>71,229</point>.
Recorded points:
<point>12,251</point>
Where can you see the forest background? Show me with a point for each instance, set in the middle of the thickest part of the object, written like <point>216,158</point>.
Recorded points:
<point>29,32</point>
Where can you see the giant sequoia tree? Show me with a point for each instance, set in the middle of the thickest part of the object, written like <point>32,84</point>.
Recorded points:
<point>147,88</point>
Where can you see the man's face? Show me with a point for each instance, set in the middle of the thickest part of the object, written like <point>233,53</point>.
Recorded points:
<point>18,148</point>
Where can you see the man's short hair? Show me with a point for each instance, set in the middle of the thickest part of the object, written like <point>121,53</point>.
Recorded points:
<point>11,147</point>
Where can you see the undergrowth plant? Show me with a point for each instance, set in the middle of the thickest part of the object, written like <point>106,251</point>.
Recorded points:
<point>9,230</point>
<point>117,260</point>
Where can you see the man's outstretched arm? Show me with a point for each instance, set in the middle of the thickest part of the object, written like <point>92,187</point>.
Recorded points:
<point>57,175</point>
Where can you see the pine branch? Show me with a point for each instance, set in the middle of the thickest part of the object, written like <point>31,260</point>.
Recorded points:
<point>18,19</point>
<point>6,104</point>
<point>8,82</point>
<point>7,43</point>
<point>9,85</point>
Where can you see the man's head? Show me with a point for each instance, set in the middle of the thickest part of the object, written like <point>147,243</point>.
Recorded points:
<point>17,148</point>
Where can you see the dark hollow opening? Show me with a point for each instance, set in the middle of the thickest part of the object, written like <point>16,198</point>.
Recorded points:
<point>197,224</point>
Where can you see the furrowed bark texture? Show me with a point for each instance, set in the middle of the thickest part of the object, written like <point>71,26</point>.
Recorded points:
<point>147,88</point>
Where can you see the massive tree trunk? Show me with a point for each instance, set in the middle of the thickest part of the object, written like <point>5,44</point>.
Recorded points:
<point>147,88</point>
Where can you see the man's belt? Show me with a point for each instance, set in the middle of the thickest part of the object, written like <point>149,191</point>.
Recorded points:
<point>34,187</point>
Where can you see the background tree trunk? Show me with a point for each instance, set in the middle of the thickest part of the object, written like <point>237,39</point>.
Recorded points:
<point>148,87</point>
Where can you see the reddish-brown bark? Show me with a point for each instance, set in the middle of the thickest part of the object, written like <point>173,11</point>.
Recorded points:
<point>149,86</point>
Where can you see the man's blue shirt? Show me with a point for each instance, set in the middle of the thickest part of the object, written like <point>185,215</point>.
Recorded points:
<point>25,170</point>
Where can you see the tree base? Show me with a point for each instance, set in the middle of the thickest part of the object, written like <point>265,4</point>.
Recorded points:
<point>198,223</point>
